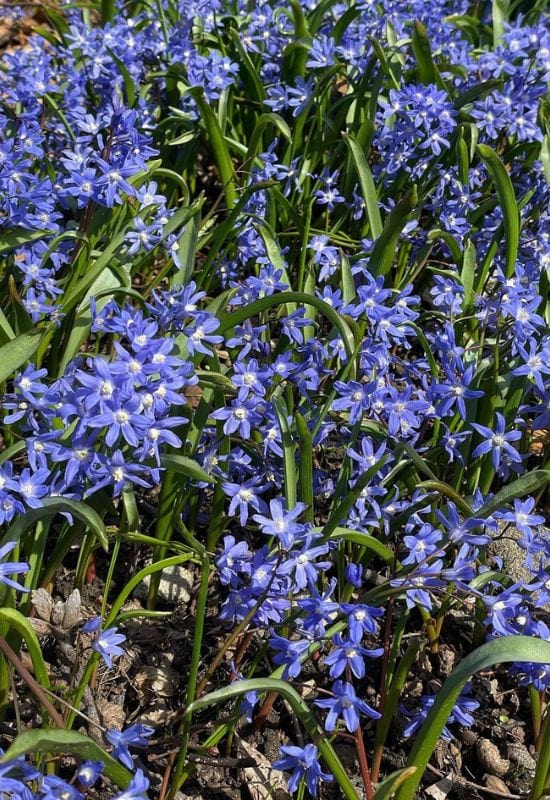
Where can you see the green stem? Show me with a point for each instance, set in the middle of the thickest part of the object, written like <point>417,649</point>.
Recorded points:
<point>200,615</point>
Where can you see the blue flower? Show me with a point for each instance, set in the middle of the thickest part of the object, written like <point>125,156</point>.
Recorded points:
<point>243,496</point>
<point>136,789</point>
<point>347,653</point>
<point>347,705</point>
<point>107,643</point>
<point>135,736</point>
<point>53,788</point>
<point>283,524</point>
<point>290,653</point>
<point>88,772</point>
<point>304,763</point>
<point>12,568</point>
<point>497,442</point>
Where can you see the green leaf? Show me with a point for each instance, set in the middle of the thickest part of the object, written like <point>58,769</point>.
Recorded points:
<point>450,241</point>
<point>364,540</point>
<point>541,781</point>
<point>108,10</point>
<point>421,465</point>
<point>215,380</point>
<point>339,512</point>
<point>187,247</point>
<point>56,19</point>
<point>467,275</point>
<point>388,787</point>
<point>462,157</point>
<point>129,86</point>
<point>289,450</point>
<point>264,121</point>
<point>16,353</point>
<point>220,150</point>
<point>105,260</point>
<point>19,315</point>
<point>349,292</point>
<point>521,487</point>
<point>250,75</point>
<point>426,69</point>
<point>229,321</point>
<point>275,256</point>
<point>301,711</point>
<point>305,466</point>
<point>56,740</point>
<point>105,285</point>
<point>545,157</point>
<point>11,238</point>
<point>499,651</point>
<point>18,622</point>
<point>150,569</point>
<point>59,505</point>
<point>7,331</point>
<point>385,248</point>
<point>394,688</point>
<point>185,466</point>
<point>500,13</point>
<point>476,91</point>
<point>508,203</point>
<point>368,188</point>
<point>448,491</point>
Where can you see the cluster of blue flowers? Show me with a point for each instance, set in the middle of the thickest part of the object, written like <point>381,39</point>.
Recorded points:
<point>76,148</point>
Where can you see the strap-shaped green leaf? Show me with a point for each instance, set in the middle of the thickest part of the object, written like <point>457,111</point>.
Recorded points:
<point>56,740</point>
<point>11,238</point>
<point>15,619</point>
<point>385,248</point>
<point>516,649</point>
<point>17,352</point>
<point>368,188</point>
<point>508,204</point>
<point>59,505</point>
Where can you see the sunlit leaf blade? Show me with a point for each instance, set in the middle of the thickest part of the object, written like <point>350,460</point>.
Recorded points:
<point>521,487</point>
<point>18,622</point>
<point>385,248</point>
<point>541,781</point>
<point>220,149</point>
<point>508,204</point>
<point>55,740</point>
<point>183,465</point>
<point>368,188</point>
<point>517,649</point>
<point>18,352</point>
<point>389,786</point>
<point>229,321</point>
<point>364,540</point>
<point>150,569</point>
<point>427,71</point>
<point>59,505</point>
<point>11,238</point>
<point>500,14</point>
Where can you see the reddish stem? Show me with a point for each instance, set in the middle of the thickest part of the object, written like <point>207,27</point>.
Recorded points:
<point>363,763</point>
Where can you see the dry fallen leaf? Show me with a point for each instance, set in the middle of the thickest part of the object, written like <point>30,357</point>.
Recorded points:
<point>490,758</point>
<point>112,714</point>
<point>156,681</point>
<point>55,618</point>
